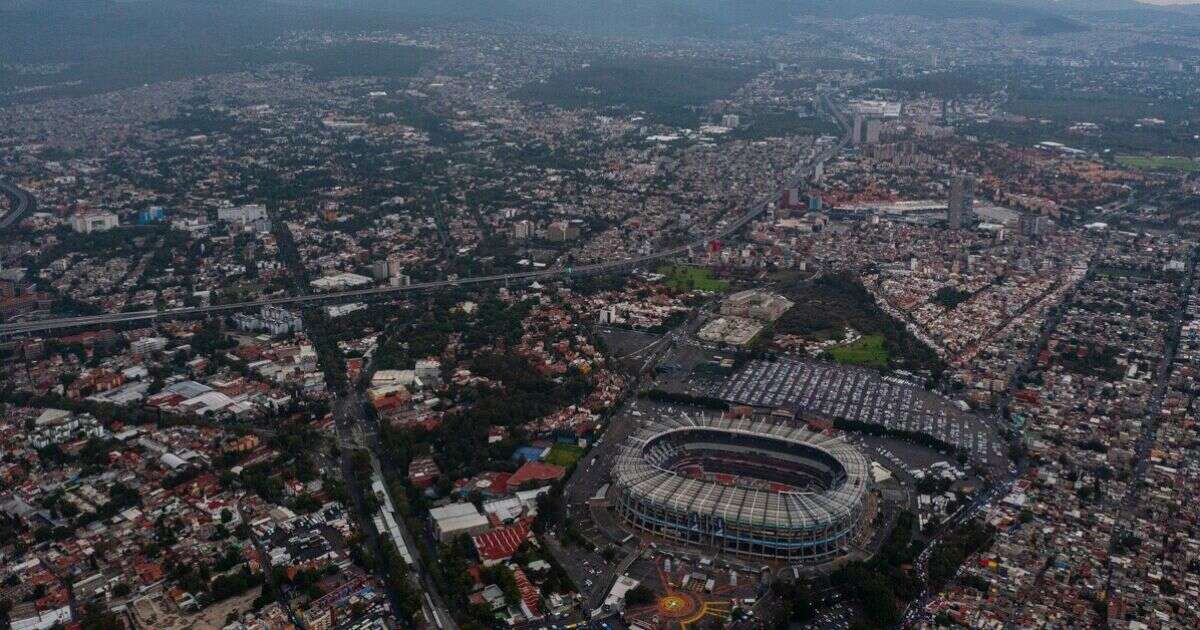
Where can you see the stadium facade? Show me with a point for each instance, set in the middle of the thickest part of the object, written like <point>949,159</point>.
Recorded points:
<point>750,486</point>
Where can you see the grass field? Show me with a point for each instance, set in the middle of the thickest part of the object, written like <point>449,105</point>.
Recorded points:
<point>564,455</point>
<point>1157,163</point>
<point>868,351</point>
<point>684,278</point>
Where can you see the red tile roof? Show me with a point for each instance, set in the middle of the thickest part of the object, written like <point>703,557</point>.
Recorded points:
<point>529,592</point>
<point>502,543</point>
<point>536,472</point>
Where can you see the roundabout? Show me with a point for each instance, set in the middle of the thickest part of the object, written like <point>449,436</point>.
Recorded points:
<point>678,606</point>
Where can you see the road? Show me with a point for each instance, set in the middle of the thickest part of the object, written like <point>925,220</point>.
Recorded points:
<point>802,172</point>
<point>592,471</point>
<point>915,612</point>
<point>349,415</point>
<point>350,423</point>
<point>1146,441</point>
<point>21,200</point>
<point>361,294</point>
<point>268,568</point>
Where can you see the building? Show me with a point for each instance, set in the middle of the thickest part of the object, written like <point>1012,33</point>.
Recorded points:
<point>25,304</point>
<point>523,229</point>
<point>961,207</point>
<point>536,473</point>
<point>756,304</point>
<point>146,345</point>
<point>498,545</point>
<point>423,472</point>
<point>249,213</point>
<point>560,231</point>
<point>428,371</point>
<point>873,127</point>
<point>88,222</point>
<point>27,616</point>
<point>791,198</point>
<point>730,330</point>
<point>337,310</point>
<point>379,270</point>
<point>395,267</point>
<point>153,214</point>
<point>749,486</point>
<point>456,519</point>
<point>856,137</point>
<point>616,597</point>
<point>273,319</point>
<point>731,120</point>
<point>387,269</point>
<point>340,282</point>
<point>1034,225</point>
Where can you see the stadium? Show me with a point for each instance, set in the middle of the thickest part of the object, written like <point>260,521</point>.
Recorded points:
<point>753,487</point>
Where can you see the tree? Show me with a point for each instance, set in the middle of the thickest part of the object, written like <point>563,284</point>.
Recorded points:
<point>796,601</point>
<point>639,596</point>
<point>97,618</point>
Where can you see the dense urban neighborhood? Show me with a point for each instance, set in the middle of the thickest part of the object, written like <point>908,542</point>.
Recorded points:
<point>544,316</point>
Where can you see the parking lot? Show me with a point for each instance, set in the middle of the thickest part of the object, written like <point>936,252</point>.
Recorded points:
<point>836,617</point>
<point>863,396</point>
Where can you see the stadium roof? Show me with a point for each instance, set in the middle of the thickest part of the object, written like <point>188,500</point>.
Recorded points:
<point>749,507</point>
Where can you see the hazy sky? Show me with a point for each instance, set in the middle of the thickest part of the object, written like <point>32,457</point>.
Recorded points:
<point>1170,1</point>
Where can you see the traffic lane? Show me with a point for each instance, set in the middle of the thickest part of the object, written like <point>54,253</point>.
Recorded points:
<point>759,207</point>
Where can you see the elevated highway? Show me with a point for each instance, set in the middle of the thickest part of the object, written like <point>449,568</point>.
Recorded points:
<point>21,202</point>
<point>723,230</point>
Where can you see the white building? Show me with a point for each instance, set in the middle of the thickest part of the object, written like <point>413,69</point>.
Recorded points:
<point>451,521</point>
<point>340,282</point>
<point>273,319</point>
<point>27,617</point>
<point>89,222</point>
<point>523,229</point>
<point>242,214</point>
<point>56,426</point>
<point>337,310</point>
<point>148,344</point>
<point>429,371</point>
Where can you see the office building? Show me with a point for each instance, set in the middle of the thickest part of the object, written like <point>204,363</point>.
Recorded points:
<point>560,231</point>
<point>960,209</point>
<point>873,128</point>
<point>249,213</point>
<point>89,222</point>
<point>153,214</point>
<point>523,229</point>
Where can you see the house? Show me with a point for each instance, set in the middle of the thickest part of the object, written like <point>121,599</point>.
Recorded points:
<point>536,474</point>
<point>500,544</point>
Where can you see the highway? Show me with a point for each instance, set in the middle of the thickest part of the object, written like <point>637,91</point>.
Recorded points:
<point>360,294</point>
<point>22,203</point>
<point>613,266</point>
<point>592,471</point>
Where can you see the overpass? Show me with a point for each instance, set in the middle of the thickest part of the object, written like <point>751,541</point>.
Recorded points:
<point>353,295</point>
<point>21,201</point>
